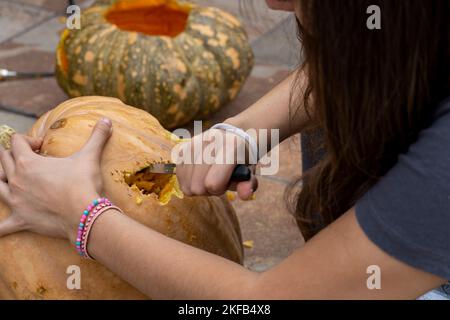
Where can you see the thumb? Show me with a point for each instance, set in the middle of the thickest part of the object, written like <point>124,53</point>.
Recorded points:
<point>246,189</point>
<point>100,135</point>
<point>10,225</point>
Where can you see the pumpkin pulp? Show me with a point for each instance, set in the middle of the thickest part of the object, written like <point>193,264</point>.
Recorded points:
<point>161,185</point>
<point>152,17</point>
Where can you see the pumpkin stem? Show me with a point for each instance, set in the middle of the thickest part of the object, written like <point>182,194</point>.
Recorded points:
<point>5,136</point>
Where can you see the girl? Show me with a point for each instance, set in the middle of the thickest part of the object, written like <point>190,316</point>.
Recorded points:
<point>375,110</point>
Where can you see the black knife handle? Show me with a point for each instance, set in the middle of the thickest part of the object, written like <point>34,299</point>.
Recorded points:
<point>241,173</point>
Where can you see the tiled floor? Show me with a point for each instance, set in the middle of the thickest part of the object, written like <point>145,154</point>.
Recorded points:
<point>29,32</point>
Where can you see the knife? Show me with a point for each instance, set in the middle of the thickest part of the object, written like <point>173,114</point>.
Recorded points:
<point>241,172</point>
<point>6,75</point>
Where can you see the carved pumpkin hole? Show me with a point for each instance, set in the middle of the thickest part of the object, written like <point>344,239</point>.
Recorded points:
<point>156,18</point>
<point>150,183</point>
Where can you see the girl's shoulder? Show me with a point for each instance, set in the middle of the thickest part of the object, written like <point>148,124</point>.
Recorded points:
<point>407,213</point>
<point>442,110</point>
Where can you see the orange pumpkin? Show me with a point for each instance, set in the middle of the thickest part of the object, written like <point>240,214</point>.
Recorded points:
<point>34,267</point>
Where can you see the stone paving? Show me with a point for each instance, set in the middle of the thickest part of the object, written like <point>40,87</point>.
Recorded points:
<point>29,32</point>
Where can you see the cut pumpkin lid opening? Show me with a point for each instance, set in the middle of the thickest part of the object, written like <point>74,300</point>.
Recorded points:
<point>151,17</point>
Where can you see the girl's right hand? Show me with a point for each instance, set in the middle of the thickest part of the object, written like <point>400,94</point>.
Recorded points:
<point>198,177</point>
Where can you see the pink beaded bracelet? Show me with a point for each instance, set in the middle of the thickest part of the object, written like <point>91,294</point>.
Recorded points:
<point>87,224</point>
<point>93,211</point>
<point>83,219</point>
<point>87,231</point>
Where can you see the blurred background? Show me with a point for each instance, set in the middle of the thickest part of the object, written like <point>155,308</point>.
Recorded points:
<point>30,32</point>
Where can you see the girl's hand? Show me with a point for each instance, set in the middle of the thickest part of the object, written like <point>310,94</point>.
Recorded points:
<point>199,177</point>
<point>48,195</point>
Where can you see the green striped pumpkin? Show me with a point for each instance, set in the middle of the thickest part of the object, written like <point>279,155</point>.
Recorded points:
<point>176,60</point>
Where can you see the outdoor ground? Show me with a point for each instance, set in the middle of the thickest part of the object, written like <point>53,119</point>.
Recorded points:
<point>28,37</point>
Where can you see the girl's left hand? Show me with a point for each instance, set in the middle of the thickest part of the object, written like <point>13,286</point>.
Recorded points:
<point>48,195</point>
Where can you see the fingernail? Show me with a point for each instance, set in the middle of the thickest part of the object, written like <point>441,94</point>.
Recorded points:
<point>106,121</point>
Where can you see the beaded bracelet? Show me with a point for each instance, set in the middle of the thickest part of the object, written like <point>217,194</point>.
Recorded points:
<point>88,222</point>
<point>85,237</point>
<point>93,211</point>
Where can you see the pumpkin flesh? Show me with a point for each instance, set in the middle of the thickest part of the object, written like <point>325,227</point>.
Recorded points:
<point>156,17</point>
<point>164,186</point>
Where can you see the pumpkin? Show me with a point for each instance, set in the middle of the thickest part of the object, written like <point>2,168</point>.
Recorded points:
<point>178,61</point>
<point>34,266</point>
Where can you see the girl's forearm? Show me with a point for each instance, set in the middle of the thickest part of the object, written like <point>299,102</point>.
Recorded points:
<point>163,268</point>
<point>272,111</point>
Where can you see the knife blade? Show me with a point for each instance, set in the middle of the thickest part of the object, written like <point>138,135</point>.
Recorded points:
<point>241,172</point>
<point>6,75</point>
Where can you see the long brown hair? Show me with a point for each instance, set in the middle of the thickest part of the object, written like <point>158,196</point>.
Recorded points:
<point>369,92</point>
